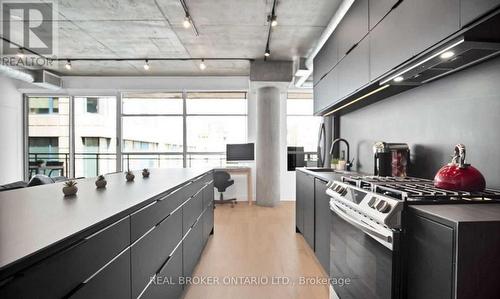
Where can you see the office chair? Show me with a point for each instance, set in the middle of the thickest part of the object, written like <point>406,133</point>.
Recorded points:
<point>222,180</point>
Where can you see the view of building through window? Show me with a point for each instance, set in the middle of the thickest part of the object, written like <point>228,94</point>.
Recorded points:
<point>48,136</point>
<point>158,130</point>
<point>302,126</point>
<point>95,135</point>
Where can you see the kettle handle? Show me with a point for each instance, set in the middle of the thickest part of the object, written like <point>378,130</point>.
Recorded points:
<point>459,156</point>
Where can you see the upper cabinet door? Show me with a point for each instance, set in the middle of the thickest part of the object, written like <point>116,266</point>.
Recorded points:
<point>353,70</point>
<point>353,27</point>
<point>325,60</point>
<point>378,9</point>
<point>326,91</point>
<point>409,29</point>
<point>434,21</point>
<point>473,9</point>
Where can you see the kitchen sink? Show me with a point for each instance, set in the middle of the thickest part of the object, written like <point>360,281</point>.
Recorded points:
<point>327,170</point>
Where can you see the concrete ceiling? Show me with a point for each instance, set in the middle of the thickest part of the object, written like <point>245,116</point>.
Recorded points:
<point>153,29</point>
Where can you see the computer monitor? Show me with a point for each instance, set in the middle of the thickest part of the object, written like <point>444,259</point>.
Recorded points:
<point>240,152</point>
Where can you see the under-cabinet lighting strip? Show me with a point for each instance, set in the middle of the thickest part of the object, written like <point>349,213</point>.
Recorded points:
<point>422,62</point>
<point>358,99</point>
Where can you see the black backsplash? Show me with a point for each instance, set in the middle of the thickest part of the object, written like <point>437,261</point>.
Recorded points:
<point>461,108</point>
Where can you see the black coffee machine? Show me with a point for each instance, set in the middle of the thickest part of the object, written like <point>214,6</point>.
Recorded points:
<point>391,159</point>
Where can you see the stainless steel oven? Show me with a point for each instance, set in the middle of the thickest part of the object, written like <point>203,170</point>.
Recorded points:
<point>364,250</point>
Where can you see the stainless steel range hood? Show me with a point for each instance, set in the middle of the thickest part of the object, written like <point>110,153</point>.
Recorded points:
<point>454,56</point>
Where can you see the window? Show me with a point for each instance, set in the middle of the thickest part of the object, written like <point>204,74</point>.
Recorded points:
<point>302,126</point>
<point>212,121</point>
<point>152,129</point>
<point>48,135</point>
<point>44,105</point>
<point>95,135</point>
<point>92,105</point>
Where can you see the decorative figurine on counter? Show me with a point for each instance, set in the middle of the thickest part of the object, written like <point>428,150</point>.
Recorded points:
<point>70,188</point>
<point>130,176</point>
<point>145,173</point>
<point>101,182</point>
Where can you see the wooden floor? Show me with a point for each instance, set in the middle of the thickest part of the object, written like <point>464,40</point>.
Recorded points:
<point>250,246</point>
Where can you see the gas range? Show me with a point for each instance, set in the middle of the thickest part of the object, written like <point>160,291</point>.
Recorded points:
<point>417,190</point>
<point>379,201</point>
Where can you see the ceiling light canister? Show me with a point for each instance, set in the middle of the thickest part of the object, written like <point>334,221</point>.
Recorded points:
<point>146,65</point>
<point>203,66</point>
<point>68,65</point>
<point>274,21</point>
<point>187,22</point>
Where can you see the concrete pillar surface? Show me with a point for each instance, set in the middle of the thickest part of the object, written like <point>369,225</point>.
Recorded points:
<point>267,147</point>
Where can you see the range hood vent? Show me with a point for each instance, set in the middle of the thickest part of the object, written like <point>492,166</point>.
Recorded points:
<point>457,55</point>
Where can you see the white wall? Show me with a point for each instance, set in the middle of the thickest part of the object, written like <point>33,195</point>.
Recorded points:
<point>11,132</point>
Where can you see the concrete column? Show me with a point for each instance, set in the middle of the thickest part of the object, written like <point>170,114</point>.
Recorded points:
<point>267,146</point>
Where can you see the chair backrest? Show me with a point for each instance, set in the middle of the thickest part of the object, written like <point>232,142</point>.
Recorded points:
<point>220,178</point>
<point>40,179</point>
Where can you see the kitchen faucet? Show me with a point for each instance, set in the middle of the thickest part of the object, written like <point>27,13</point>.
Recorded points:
<point>348,162</point>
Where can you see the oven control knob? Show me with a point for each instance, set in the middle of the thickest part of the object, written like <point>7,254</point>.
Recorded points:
<point>383,207</point>
<point>372,202</point>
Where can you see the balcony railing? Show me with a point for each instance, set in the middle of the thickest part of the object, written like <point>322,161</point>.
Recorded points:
<point>94,164</point>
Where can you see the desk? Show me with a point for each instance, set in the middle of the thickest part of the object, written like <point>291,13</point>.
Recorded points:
<point>246,170</point>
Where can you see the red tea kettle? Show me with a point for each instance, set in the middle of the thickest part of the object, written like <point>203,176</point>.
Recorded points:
<point>459,176</point>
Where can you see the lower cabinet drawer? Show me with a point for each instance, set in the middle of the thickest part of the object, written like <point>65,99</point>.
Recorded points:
<point>150,253</point>
<point>191,211</point>
<point>208,194</point>
<point>111,282</point>
<point>191,249</point>
<point>58,275</point>
<point>167,284</point>
<point>208,222</point>
<point>149,216</point>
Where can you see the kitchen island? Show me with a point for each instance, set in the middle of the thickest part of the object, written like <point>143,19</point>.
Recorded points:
<point>105,242</point>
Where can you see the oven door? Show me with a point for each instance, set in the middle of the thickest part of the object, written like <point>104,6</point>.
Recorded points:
<point>365,260</point>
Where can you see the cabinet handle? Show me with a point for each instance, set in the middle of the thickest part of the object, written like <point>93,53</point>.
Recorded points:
<point>351,48</point>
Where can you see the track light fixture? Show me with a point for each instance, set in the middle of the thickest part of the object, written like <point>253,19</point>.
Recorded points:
<point>20,53</point>
<point>146,65</point>
<point>68,65</point>
<point>187,21</point>
<point>274,20</point>
<point>267,53</point>
<point>203,66</point>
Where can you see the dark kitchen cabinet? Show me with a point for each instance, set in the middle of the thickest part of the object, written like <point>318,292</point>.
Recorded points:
<point>452,251</point>
<point>326,91</point>
<point>430,259</point>
<point>409,29</point>
<point>353,70</point>
<point>61,273</point>
<point>471,10</point>
<point>152,251</point>
<point>192,210</point>
<point>322,224</point>
<point>305,206</point>
<point>111,282</point>
<point>378,9</point>
<point>168,283</point>
<point>353,27</point>
<point>326,59</point>
<point>192,247</point>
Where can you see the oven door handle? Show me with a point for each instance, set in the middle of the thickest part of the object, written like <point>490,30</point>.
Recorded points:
<point>383,236</point>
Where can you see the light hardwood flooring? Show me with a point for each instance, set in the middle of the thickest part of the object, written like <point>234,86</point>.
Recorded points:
<point>259,243</point>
